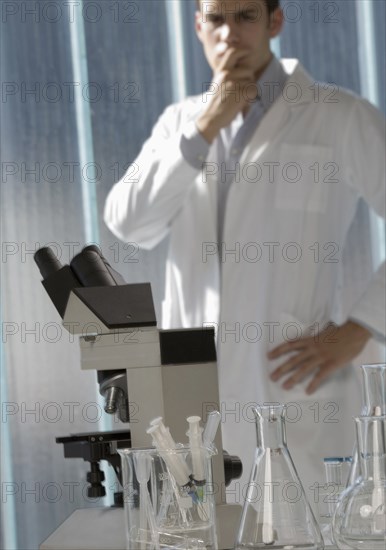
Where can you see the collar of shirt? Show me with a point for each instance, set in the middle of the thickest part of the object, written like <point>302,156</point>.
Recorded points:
<point>270,85</point>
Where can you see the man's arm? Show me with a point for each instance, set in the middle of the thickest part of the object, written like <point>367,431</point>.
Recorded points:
<point>142,205</point>
<point>363,161</point>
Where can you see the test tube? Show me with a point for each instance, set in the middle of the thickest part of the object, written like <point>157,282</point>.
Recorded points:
<point>195,441</point>
<point>211,427</point>
<point>333,472</point>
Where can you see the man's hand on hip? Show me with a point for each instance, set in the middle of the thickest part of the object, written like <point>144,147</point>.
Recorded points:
<point>320,355</point>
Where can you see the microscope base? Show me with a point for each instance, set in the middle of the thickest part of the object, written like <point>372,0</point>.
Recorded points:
<point>101,528</point>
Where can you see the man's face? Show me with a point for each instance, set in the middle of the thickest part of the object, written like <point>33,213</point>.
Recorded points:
<point>244,24</point>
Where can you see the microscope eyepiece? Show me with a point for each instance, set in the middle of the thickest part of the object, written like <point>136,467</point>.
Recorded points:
<point>47,262</point>
<point>93,248</point>
<point>90,268</point>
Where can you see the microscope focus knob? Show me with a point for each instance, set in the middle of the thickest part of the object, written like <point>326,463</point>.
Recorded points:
<point>112,397</point>
<point>95,478</point>
<point>96,492</point>
<point>233,467</point>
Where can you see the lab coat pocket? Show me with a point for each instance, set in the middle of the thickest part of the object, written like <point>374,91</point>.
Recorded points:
<point>304,176</point>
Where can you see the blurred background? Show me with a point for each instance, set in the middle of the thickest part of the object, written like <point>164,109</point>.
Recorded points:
<point>83,82</point>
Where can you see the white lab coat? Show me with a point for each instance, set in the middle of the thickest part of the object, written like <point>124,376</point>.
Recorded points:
<point>285,265</point>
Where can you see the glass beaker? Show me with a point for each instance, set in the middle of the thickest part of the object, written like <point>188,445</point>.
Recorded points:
<point>360,520</point>
<point>276,513</point>
<point>161,512</point>
<point>374,404</point>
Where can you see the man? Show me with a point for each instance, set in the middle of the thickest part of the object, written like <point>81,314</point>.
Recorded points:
<point>257,182</point>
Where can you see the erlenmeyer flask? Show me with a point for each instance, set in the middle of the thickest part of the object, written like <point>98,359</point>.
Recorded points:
<point>360,520</point>
<point>276,512</point>
<point>374,404</point>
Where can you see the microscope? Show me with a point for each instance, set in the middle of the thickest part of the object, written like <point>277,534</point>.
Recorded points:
<point>143,373</point>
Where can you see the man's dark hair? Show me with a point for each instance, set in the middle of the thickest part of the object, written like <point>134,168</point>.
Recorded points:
<point>272,5</point>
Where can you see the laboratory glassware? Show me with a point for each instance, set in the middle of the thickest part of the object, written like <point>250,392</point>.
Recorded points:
<point>211,427</point>
<point>165,506</point>
<point>328,494</point>
<point>360,517</point>
<point>276,512</point>
<point>374,384</point>
<point>374,404</point>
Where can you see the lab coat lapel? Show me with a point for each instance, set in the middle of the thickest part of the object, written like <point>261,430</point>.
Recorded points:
<point>269,132</point>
